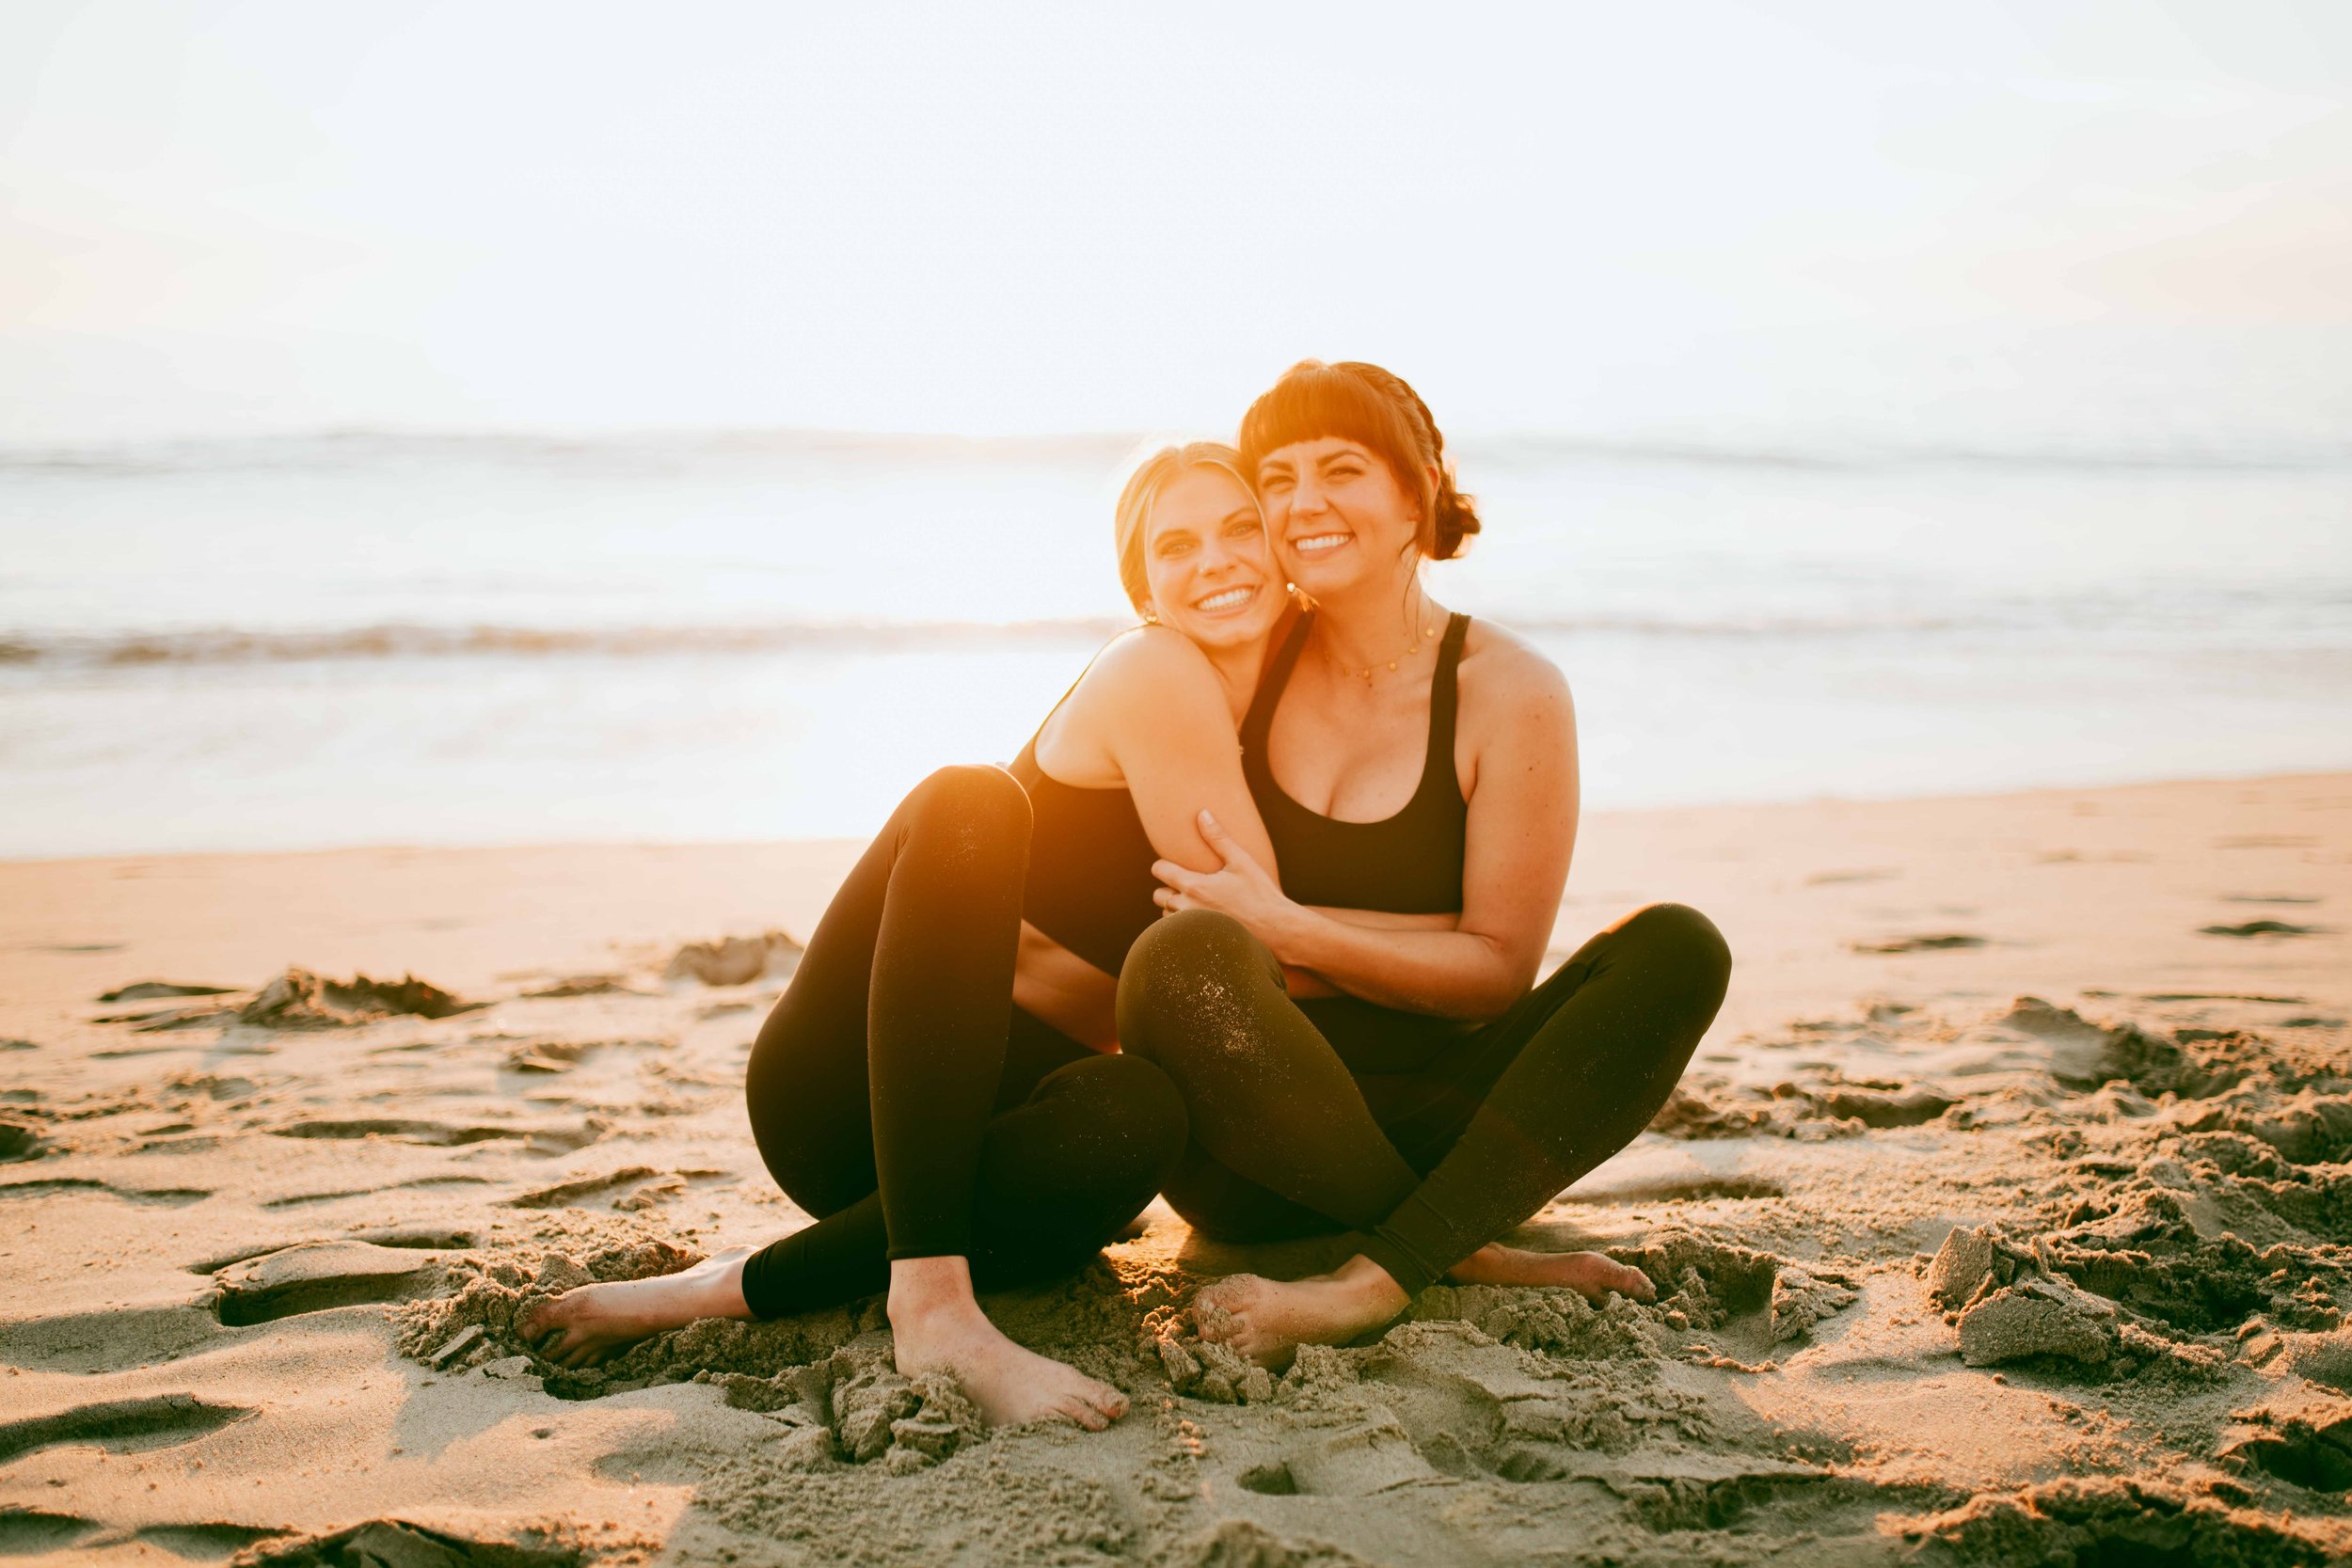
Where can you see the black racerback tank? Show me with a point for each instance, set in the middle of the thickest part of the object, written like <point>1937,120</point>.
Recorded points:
<point>1409,863</point>
<point>1090,885</point>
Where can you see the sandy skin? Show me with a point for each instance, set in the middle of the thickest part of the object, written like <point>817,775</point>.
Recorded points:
<point>934,1319</point>
<point>1265,1320</point>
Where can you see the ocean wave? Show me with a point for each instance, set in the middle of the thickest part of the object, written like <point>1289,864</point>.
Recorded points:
<point>1101,452</point>
<point>227,645</point>
<point>233,645</point>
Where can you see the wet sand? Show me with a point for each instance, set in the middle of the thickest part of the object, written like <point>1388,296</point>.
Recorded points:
<point>2003,1218</point>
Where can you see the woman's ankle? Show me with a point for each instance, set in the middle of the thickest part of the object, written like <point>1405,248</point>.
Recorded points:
<point>927,1288</point>
<point>1373,1283</point>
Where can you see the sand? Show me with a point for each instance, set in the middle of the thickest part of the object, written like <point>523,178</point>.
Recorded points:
<point>2006,1216</point>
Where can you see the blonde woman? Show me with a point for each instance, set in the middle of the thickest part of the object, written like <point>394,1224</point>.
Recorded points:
<point>939,1085</point>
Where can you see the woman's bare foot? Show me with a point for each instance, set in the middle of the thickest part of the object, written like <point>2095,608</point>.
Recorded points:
<point>587,1323</point>
<point>1265,1320</point>
<point>939,1327</point>
<point>1591,1275</point>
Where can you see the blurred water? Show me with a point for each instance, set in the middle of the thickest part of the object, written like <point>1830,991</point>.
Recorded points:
<point>281,643</point>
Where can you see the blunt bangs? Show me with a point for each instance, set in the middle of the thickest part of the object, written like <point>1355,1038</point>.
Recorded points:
<point>1318,402</point>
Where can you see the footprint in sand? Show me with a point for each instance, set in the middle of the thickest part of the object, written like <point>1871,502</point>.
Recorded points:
<point>647,1186</point>
<point>383,1236</point>
<point>149,990</point>
<point>120,1426</point>
<point>1697,1189</point>
<point>110,1341</point>
<point>2261,929</point>
<point>19,1140</point>
<point>207,1542</point>
<point>319,1277</point>
<point>170,1196</point>
<point>1940,941</point>
<point>548,1056</point>
<point>407,1545</point>
<point>584,985</point>
<point>543,1139</point>
<point>31,1531</point>
<point>298,1201</point>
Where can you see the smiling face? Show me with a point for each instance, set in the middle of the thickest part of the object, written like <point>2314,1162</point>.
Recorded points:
<point>1206,566</point>
<point>1338,518</point>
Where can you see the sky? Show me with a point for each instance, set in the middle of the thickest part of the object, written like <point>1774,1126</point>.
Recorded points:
<point>2076,221</point>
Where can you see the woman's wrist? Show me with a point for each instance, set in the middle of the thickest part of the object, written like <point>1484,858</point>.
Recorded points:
<point>1291,935</point>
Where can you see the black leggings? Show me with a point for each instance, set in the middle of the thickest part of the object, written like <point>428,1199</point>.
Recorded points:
<point>1429,1138</point>
<point>898,1095</point>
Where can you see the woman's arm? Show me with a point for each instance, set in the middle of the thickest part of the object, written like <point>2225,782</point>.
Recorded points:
<point>1063,991</point>
<point>1520,724</point>
<point>1154,711</point>
<point>1150,715</point>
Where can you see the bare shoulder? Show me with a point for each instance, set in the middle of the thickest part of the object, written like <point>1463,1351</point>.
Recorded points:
<point>1150,673</point>
<point>1506,680</point>
<point>1149,662</point>
<point>1147,684</point>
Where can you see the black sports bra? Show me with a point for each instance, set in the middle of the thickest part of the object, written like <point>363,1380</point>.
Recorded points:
<point>1409,863</point>
<point>1090,885</point>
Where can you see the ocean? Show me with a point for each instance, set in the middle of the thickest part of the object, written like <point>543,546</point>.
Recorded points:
<point>277,644</point>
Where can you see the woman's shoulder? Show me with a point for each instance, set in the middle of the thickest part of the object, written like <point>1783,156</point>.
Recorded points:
<point>1515,702</point>
<point>1148,660</point>
<point>1148,671</point>
<point>1503,671</point>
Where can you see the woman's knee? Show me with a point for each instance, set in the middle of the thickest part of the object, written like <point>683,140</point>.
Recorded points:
<point>1180,947</point>
<point>1682,937</point>
<point>1181,963</point>
<point>973,799</point>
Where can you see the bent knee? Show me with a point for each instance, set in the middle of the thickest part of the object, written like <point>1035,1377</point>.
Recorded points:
<point>1183,967</point>
<point>1691,939</point>
<point>1189,943</point>
<point>976,786</point>
<point>974,795</point>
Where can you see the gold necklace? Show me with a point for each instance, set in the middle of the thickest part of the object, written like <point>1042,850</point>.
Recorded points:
<point>1365,674</point>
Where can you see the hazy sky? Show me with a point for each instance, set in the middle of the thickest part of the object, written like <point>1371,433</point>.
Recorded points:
<point>1596,217</point>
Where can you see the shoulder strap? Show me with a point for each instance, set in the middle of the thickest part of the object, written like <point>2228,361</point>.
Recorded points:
<point>1260,719</point>
<point>1445,700</point>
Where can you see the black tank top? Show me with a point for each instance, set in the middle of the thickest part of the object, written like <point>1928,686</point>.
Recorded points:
<point>1091,882</point>
<point>1409,863</point>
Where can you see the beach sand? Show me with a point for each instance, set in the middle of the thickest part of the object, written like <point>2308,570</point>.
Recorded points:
<point>2003,1218</point>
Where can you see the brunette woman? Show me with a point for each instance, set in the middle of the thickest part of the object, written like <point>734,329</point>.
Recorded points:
<point>1406,1085</point>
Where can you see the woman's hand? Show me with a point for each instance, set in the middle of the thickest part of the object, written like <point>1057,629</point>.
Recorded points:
<point>1241,888</point>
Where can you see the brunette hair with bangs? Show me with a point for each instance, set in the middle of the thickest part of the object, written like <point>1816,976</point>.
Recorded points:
<point>1355,402</point>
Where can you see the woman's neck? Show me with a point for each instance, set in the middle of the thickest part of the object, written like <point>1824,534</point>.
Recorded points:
<point>1377,623</point>
<point>1237,671</point>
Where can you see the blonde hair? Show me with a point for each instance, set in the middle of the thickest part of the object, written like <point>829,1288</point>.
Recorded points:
<point>1142,492</point>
